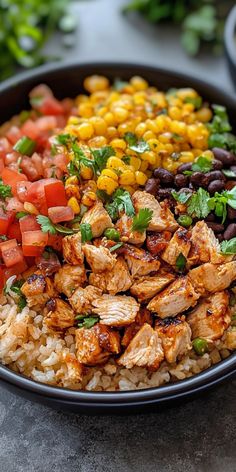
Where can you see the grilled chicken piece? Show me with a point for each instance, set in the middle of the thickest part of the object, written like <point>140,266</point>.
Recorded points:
<point>114,281</point>
<point>143,316</point>
<point>68,278</point>
<point>175,334</point>
<point>230,340</point>
<point>140,262</point>
<point>72,249</point>
<point>58,315</point>
<point>179,243</point>
<point>145,350</point>
<point>37,289</point>
<point>178,297</point>
<point>96,344</point>
<point>98,218</point>
<point>82,298</point>
<point>74,370</point>
<point>99,258</point>
<point>211,317</point>
<point>157,242</point>
<point>213,278</point>
<point>162,218</point>
<point>116,310</point>
<point>205,246</point>
<point>124,226</point>
<point>147,287</point>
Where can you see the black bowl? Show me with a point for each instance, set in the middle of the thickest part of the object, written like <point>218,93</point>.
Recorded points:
<point>230,43</point>
<point>67,80</point>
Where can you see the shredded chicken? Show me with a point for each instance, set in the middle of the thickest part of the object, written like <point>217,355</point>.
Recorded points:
<point>211,317</point>
<point>162,218</point>
<point>37,289</point>
<point>116,310</point>
<point>72,249</point>
<point>213,278</point>
<point>96,344</point>
<point>178,297</point>
<point>140,262</point>
<point>68,278</point>
<point>145,350</point>
<point>124,226</point>
<point>82,298</point>
<point>58,315</point>
<point>114,281</point>
<point>147,287</point>
<point>98,219</point>
<point>99,258</point>
<point>175,334</point>
<point>179,244</point>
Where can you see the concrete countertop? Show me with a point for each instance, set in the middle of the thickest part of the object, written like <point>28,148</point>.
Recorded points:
<point>198,436</point>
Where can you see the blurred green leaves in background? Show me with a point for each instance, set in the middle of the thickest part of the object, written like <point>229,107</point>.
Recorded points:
<point>25,26</point>
<point>202,21</point>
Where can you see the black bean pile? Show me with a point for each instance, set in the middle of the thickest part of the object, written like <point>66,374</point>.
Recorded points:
<point>163,182</point>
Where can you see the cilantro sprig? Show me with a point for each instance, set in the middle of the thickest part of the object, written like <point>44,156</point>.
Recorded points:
<point>135,144</point>
<point>228,247</point>
<point>142,220</point>
<point>86,321</point>
<point>5,190</point>
<point>180,262</point>
<point>16,288</point>
<point>220,130</point>
<point>86,232</point>
<point>121,201</point>
<point>47,226</point>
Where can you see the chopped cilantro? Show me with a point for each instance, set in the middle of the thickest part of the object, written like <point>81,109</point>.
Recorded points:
<point>202,164</point>
<point>135,144</point>
<point>48,227</point>
<point>16,288</point>
<point>86,321</point>
<point>220,128</point>
<point>181,197</point>
<point>5,191</point>
<point>21,214</point>
<point>86,232</point>
<point>229,173</point>
<point>142,220</point>
<point>180,262</point>
<point>101,156</point>
<point>195,101</point>
<point>228,247</point>
<point>198,204</point>
<point>121,201</point>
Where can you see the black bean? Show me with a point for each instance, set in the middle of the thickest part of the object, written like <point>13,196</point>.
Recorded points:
<point>152,186</point>
<point>220,237</point>
<point>216,164</point>
<point>184,167</point>
<point>216,186</point>
<point>196,179</point>
<point>230,231</point>
<point>210,217</point>
<point>181,180</point>
<point>214,175</point>
<point>227,157</point>
<point>165,192</point>
<point>231,213</point>
<point>216,227</point>
<point>205,180</point>
<point>164,175</point>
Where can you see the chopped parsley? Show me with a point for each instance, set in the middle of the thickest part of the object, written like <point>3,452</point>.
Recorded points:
<point>5,190</point>
<point>86,321</point>
<point>142,220</point>
<point>228,247</point>
<point>86,232</point>
<point>180,262</point>
<point>135,144</point>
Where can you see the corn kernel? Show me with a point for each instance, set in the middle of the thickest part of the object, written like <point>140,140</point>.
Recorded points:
<point>112,132</point>
<point>152,126</point>
<point>186,156</point>
<point>72,191</point>
<point>74,204</point>
<point>118,143</point>
<point>89,198</point>
<point>204,115</point>
<point>140,177</point>
<point>85,131</point>
<point>30,208</point>
<point>150,157</point>
<point>73,120</point>
<point>120,114</point>
<point>129,188</point>
<point>138,83</point>
<point>98,97</point>
<point>186,92</point>
<point>127,177</point>
<point>85,110</point>
<point>169,164</point>
<point>107,184</point>
<point>135,162</point>
<point>110,173</point>
<point>90,185</point>
<point>86,172</point>
<point>149,135</point>
<point>73,180</point>
<point>144,166</point>
<point>95,83</point>
<point>99,125</point>
<point>101,111</point>
<point>140,129</point>
<point>97,142</point>
<point>114,162</point>
<point>109,118</point>
<point>127,127</point>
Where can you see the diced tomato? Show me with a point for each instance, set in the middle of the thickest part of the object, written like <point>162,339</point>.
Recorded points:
<point>4,224</point>
<point>46,123</point>
<point>22,190</point>
<point>1,165</point>
<point>34,238</point>
<point>60,213</point>
<point>11,177</point>
<point>12,256</point>
<point>13,134</point>
<point>29,223</point>
<point>30,129</point>
<point>55,194</point>
<point>14,231</point>
<point>29,168</point>
<point>55,241</point>
<point>51,106</point>
<point>14,205</point>
<point>16,269</point>
<point>32,251</point>
<point>36,194</point>
<point>5,147</point>
<point>61,161</point>
<point>6,245</point>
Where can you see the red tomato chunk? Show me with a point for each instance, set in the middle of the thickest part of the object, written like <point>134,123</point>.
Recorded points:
<point>55,194</point>
<point>12,256</point>
<point>60,213</point>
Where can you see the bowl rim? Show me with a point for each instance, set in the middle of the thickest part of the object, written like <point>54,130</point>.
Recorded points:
<point>198,382</point>
<point>229,35</point>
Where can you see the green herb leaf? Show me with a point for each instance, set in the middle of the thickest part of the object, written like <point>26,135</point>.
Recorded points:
<point>101,156</point>
<point>180,262</point>
<point>228,247</point>
<point>142,220</point>
<point>16,288</point>
<point>121,202</point>
<point>103,196</point>
<point>195,101</point>
<point>25,146</point>
<point>229,173</point>
<point>5,191</point>
<point>86,321</point>
<point>181,197</point>
<point>198,204</point>
<point>86,232</point>
<point>119,84</point>
<point>115,247</point>
<point>46,224</point>
<point>135,144</point>
<point>202,164</point>
<point>21,214</point>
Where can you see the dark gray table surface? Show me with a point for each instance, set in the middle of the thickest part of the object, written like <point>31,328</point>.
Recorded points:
<point>196,436</point>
